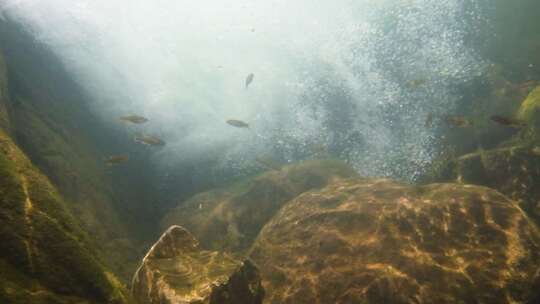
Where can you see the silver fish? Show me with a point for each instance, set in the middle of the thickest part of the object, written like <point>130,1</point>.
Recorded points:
<point>416,82</point>
<point>249,79</point>
<point>459,122</point>
<point>237,123</point>
<point>116,159</point>
<point>136,119</point>
<point>149,140</point>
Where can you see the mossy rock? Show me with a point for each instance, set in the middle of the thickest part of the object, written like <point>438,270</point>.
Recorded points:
<point>69,163</point>
<point>230,219</point>
<point>378,241</point>
<point>512,170</point>
<point>176,270</point>
<point>45,255</point>
<point>531,105</point>
<point>50,119</point>
<point>530,109</point>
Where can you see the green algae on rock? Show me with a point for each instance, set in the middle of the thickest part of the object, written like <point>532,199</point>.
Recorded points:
<point>44,253</point>
<point>377,241</point>
<point>51,120</point>
<point>242,210</point>
<point>530,106</point>
<point>176,270</point>
<point>529,112</point>
<point>513,170</point>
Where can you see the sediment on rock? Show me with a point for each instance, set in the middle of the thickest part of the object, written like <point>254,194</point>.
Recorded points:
<point>176,270</point>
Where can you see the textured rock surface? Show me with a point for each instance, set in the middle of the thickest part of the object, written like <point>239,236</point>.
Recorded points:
<point>529,112</point>
<point>45,257</point>
<point>530,107</point>
<point>175,270</point>
<point>376,241</point>
<point>514,171</point>
<point>45,111</point>
<point>230,219</point>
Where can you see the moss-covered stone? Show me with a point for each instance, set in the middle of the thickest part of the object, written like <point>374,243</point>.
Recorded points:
<point>513,170</point>
<point>377,241</point>
<point>230,219</point>
<point>529,112</point>
<point>531,106</point>
<point>176,270</point>
<point>51,120</point>
<point>71,167</point>
<point>45,255</point>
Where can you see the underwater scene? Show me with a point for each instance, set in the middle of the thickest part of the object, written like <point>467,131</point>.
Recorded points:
<point>269,152</point>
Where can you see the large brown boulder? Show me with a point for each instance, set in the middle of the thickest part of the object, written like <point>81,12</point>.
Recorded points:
<point>177,271</point>
<point>377,241</point>
<point>230,219</point>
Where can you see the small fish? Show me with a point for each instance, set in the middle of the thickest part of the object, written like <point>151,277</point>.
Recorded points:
<point>116,159</point>
<point>429,121</point>
<point>136,119</point>
<point>249,79</point>
<point>149,140</point>
<point>524,85</point>
<point>416,82</point>
<point>458,121</point>
<point>536,151</point>
<point>509,122</point>
<point>237,123</point>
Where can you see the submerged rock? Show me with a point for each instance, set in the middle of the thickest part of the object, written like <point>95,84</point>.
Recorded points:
<point>531,106</point>
<point>230,219</point>
<point>45,110</point>
<point>377,241</point>
<point>45,257</point>
<point>176,270</point>
<point>514,171</point>
<point>529,112</point>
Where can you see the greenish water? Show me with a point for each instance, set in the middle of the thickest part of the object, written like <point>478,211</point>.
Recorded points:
<point>132,108</point>
<point>356,80</point>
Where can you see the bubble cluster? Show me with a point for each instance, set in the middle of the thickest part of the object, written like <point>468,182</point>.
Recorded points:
<point>353,80</point>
